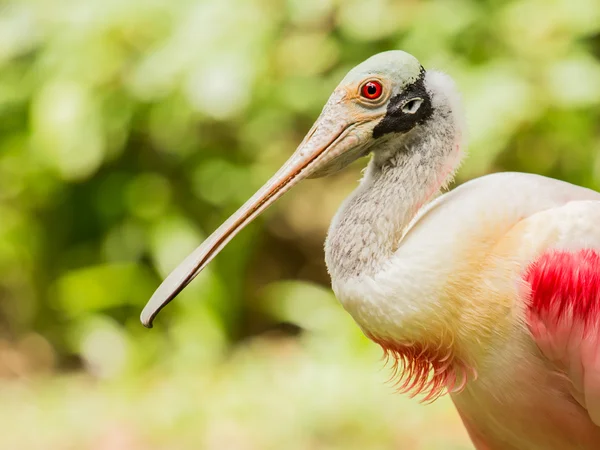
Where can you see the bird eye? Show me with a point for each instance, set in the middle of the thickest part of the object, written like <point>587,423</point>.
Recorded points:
<point>412,106</point>
<point>371,89</point>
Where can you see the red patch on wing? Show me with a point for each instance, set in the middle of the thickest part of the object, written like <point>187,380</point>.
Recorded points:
<point>564,319</point>
<point>565,283</point>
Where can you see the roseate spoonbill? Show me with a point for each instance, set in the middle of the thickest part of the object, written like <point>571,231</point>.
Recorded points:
<point>489,292</point>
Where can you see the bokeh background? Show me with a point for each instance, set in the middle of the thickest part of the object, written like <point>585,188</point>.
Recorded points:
<point>129,129</point>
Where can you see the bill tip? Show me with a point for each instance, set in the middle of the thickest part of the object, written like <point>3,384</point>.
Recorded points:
<point>146,321</point>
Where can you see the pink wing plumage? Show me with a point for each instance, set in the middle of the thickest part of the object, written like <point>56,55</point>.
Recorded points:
<point>564,318</point>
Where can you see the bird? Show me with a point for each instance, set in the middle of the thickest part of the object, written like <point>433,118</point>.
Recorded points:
<point>488,292</point>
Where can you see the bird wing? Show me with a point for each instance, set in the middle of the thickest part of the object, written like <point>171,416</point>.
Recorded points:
<point>563,307</point>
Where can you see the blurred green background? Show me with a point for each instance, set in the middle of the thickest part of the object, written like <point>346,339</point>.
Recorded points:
<point>129,129</point>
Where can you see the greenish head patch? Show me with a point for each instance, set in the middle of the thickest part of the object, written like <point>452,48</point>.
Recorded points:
<point>396,65</point>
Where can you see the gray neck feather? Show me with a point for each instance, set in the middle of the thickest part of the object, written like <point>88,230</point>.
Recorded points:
<point>406,171</point>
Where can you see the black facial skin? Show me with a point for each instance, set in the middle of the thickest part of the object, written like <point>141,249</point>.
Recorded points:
<point>396,121</point>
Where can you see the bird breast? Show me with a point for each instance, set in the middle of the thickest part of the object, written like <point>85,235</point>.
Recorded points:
<point>451,285</point>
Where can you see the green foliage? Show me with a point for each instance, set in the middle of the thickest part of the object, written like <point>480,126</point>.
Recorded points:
<point>130,129</point>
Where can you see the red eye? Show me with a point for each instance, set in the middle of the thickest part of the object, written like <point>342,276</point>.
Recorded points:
<point>371,90</point>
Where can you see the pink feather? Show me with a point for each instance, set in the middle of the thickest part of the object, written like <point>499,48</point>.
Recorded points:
<point>564,317</point>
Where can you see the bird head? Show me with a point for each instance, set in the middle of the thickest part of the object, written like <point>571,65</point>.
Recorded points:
<point>384,97</point>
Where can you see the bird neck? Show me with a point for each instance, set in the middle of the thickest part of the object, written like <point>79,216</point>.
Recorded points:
<point>363,253</point>
<point>404,175</point>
